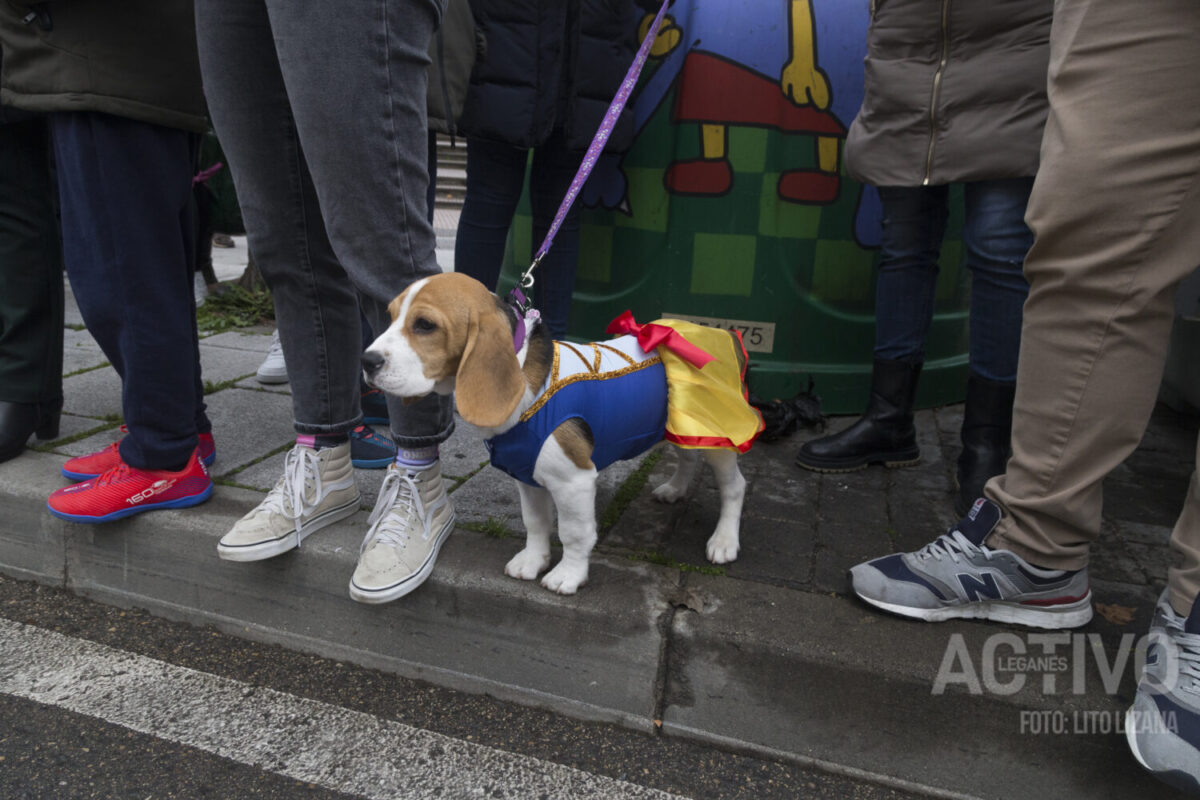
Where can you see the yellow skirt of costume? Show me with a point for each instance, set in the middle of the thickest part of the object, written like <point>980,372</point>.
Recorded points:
<point>707,406</point>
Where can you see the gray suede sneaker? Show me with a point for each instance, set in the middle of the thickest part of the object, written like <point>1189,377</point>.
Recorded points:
<point>1163,725</point>
<point>958,577</point>
<point>317,489</point>
<point>411,520</point>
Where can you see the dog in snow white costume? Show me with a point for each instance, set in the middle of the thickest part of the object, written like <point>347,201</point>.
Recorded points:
<point>555,412</point>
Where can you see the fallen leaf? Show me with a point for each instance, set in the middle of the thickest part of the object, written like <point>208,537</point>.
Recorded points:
<point>1117,615</point>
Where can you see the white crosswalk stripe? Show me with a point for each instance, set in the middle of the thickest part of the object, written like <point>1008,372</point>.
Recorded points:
<point>343,750</point>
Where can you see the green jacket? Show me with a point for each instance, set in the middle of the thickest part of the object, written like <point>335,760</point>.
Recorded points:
<point>130,58</point>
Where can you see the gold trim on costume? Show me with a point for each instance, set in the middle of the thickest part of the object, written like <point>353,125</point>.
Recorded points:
<point>591,371</point>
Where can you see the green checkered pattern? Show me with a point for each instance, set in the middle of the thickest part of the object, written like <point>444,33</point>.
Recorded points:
<point>749,255</point>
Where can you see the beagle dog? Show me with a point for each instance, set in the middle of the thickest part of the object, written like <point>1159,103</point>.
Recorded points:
<point>450,334</point>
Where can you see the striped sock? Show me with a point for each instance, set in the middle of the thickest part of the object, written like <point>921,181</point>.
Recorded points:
<point>322,440</point>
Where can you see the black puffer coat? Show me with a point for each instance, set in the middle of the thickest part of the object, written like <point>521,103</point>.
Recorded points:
<point>547,64</point>
<point>133,58</point>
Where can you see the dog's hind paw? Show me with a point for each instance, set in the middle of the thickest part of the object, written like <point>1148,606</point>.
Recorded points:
<point>669,492</point>
<point>527,564</point>
<point>565,578</point>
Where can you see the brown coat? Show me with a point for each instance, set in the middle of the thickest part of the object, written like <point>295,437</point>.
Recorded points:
<point>955,91</point>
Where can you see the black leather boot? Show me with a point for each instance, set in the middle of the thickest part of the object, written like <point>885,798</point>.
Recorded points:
<point>19,420</point>
<point>986,430</point>
<point>884,434</point>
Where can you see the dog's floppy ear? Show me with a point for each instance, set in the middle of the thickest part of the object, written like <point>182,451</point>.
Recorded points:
<point>489,383</point>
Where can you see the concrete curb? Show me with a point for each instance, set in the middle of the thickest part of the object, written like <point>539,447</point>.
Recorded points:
<point>812,678</point>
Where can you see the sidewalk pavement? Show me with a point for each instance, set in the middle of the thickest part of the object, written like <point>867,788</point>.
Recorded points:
<point>767,655</point>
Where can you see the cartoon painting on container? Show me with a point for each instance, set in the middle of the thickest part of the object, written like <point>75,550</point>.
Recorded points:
<point>762,75</point>
<point>733,206</point>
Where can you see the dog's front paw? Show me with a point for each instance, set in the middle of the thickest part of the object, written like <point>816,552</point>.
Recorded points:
<point>565,578</point>
<point>722,547</point>
<point>527,564</point>
<point>669,492</point>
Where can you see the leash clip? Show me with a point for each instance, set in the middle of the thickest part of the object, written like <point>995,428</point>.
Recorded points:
<point>526,280</point>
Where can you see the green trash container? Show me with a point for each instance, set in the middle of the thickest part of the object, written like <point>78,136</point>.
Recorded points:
<point>733,208</point>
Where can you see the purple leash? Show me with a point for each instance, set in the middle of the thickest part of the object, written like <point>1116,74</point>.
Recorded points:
<point>517,298</point>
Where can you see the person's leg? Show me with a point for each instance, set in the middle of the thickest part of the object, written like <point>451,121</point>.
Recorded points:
<point>554,167</point>
<point>1117,227</point>
<point>31,288</point>
<point>1117,224</point>
<point>356,79</point>
<point>914,222</point>
<point>495,176</point>
<point>316,306</point>
<point>996,240</point>
<point>125,188</point>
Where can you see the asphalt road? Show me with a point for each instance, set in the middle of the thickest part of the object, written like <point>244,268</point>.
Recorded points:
<point>232,718</point>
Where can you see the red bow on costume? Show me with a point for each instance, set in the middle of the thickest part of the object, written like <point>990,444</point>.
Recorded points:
<point>650,336</point>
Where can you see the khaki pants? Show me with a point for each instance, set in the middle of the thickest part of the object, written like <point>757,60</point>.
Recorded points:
<point>1116,214</point>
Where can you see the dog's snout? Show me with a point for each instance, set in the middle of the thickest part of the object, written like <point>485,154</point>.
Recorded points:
<point>371,362</point>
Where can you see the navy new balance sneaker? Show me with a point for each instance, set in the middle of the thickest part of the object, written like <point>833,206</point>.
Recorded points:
<point>958,577</point>
<point>1163,725</point>
<point>369,450</point>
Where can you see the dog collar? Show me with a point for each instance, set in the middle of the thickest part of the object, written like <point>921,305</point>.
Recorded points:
<point>524,327</point>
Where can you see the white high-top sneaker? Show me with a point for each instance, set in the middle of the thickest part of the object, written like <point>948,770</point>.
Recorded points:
<point>317,489</point>
<point>273,368</point>
<point>411,520</point>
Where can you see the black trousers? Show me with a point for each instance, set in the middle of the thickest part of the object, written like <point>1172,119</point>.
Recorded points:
<point>31,271</point>
<point>129,242</point>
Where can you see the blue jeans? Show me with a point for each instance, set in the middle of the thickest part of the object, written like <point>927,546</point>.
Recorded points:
<point>129,251</point>
<point>495,177</point>
<point>996,240</point>
<point>320,109</point>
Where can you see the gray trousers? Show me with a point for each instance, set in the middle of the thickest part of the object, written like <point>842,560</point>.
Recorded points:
<point>1115,211</point>
<point>320,108</point>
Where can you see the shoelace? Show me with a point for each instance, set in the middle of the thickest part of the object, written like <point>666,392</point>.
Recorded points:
<point>287,496</point>
<point>397,488</point>
<point>1187,651</point>
<point>952,544</point>
<point>276,349</point>
<point>115,474</point>
<point>400,489</point>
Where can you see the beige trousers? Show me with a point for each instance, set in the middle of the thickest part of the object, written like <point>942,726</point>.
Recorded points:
<point>1116,214</point>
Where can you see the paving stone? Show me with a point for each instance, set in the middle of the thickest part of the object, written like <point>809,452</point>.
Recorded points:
<point>80,351</point>
<point>246,426</point>
<point>69,425</point>
<point>464,451</point>
<point>93,394</point>
<point>251,383</point>
<point>220,364</point>
<point>916,518</point>
<point>490,494</point>
<point>91,444</point>
<point>852,527</point>
<point>1151,499</point>
<point>240,340</point>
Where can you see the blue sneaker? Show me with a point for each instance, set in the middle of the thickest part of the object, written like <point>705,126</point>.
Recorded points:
<point>958,577</point>
<point>1163,725</point>
<point>369,450</point>
<point>374,407</point>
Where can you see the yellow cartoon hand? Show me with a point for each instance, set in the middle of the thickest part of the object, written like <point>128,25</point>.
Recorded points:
<point>667,38</point>
<point>805,84</point>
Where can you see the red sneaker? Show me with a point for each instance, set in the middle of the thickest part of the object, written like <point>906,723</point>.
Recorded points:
<point>93,465</point>
<point>123,491</point>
